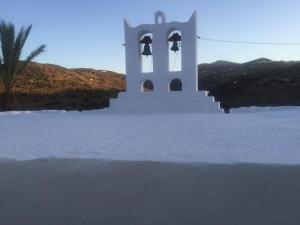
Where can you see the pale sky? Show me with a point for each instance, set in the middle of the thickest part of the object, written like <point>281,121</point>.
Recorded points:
<point>89,33</point>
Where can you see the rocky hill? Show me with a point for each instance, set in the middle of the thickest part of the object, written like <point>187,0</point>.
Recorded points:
<point>261,82</point>
<point>46,86</point>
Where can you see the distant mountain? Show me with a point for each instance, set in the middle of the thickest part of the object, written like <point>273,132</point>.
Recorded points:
<point>260,82</point>
<point>259,61</point>
<point>222,63</point>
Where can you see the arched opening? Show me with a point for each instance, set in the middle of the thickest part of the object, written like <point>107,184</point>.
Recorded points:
<point>160,17</point>
<point>146,56</point>
<point>147,86</point>
<point>175,85</point>
<point>175,60</point>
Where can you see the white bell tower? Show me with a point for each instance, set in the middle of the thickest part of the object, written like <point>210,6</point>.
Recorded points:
<point>160,88</point>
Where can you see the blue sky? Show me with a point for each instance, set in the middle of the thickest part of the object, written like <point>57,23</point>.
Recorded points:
<point>89,33</point>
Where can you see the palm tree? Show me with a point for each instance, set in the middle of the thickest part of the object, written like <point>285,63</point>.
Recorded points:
<point>10,57</point>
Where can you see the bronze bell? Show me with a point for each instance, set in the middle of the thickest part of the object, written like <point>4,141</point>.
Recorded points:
<point>175,47</point>
<point>175,38</point>
<point>146,41</point>
<point>147,50</point>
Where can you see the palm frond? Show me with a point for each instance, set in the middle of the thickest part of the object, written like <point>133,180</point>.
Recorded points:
<point>25,36</point>
<point>19,44</point>
<point>11,46</point>
<point>7,38</point>
<point>32,55</point>
<point>17,51</point>
<point>1,68</point>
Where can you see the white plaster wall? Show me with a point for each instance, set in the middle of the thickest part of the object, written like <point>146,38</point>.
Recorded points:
<point>161,99</point>
<point>161,76</point>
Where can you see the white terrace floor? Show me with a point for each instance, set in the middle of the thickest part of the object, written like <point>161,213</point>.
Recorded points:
<point>260,137</point>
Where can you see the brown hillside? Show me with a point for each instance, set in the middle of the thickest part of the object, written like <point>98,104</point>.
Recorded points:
<point>261,82</point>
<point>46,86</point>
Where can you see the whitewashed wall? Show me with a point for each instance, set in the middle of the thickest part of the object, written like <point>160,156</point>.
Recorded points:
<point>162,99</point>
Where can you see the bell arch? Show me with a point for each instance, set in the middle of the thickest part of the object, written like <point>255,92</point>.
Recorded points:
<point>174,50</point>
<point>175,85</point>
<point>145,52</point>
<point>160,17</point>
<point>147,86</point>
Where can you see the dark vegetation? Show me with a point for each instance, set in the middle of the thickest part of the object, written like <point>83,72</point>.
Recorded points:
<point>260,82</point>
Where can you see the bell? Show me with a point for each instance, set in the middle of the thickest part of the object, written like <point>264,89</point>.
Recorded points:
<point>147,40</point>
<point>147,50</point>
<point>175,38</point>
<point>174,47</point>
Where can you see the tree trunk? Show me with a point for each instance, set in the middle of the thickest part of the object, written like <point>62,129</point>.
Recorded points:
<point>9,99</point>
